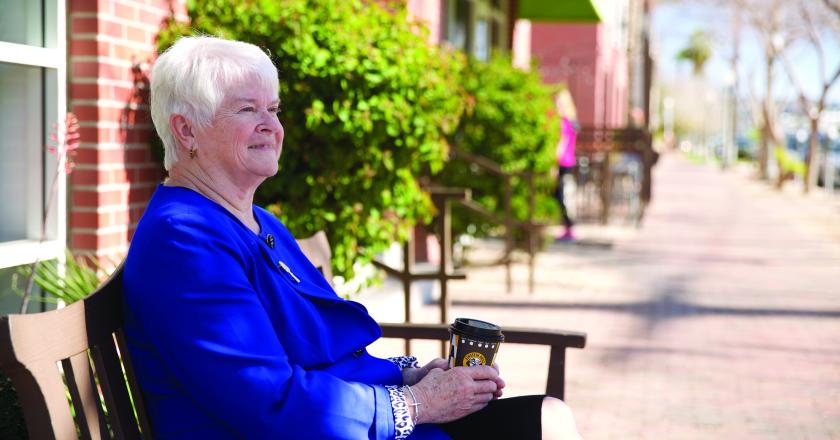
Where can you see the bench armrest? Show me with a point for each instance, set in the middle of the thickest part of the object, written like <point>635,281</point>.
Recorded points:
<point>558,340</point>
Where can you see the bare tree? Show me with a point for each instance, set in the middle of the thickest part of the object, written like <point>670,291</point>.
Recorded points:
<point>768,22</point>
<point>833,5</point>
<point>816,23</point>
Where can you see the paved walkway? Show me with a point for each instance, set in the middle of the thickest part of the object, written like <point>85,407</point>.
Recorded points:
<point>718,319</point>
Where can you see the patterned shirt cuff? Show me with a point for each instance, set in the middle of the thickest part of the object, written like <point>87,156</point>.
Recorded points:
<point>405,362</point>
<point>403,425</point>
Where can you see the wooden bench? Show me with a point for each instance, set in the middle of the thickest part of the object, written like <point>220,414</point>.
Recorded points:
<point>83,346</point>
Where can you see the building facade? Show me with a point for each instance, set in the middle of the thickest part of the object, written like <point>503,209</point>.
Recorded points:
<point>92,58</point>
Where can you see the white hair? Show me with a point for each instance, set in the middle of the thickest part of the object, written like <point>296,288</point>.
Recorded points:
<point>192,77</point>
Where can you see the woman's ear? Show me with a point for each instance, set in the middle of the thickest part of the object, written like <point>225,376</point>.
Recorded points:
<point>182,129</point>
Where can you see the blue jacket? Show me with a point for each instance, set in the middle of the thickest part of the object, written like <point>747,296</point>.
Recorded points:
<point>228,344</point>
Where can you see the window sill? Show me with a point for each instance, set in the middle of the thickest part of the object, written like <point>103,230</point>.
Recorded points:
<point>17,253</point>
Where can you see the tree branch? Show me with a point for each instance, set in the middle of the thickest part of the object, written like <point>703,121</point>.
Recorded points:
<point>800,90</point>
<point>831,82</point>
<point>833,6</point>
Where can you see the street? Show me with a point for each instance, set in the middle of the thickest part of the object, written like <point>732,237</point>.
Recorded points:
<point>718,318</point>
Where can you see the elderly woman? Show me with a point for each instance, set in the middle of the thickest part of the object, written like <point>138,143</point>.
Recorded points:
<point>232,332</point>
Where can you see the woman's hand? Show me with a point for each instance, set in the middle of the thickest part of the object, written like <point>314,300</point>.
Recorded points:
<point>500,383</point>
<point>447,395</point>
<point>413,375</point>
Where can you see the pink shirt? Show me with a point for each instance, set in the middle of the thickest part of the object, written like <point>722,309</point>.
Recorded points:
<point>566,146</point>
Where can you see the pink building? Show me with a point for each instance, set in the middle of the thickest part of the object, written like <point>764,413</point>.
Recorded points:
<point>585,58</point>
<point>574,43</point>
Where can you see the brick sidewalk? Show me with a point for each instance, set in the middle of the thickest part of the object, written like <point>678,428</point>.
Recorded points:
<point>718,318</point>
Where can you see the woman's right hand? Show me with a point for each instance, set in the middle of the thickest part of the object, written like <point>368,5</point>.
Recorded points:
<point>447,395</point>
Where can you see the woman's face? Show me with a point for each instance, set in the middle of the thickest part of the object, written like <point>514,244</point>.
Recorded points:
<point>243,142</point>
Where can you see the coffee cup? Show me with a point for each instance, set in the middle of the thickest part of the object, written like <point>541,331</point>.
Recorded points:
<point>473,342</point>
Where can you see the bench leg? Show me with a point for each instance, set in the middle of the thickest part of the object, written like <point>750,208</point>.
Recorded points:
<point>556,372</point>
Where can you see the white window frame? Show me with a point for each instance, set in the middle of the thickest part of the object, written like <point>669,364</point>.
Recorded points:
<point>481,10</point>
<point>53,57</point>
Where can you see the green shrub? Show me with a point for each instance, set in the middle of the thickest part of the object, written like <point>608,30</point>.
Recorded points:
<point>366,102</point>
<point>12,423</point>
<point>789,164</point>
<point>511,120</point>
<point>70,281</point>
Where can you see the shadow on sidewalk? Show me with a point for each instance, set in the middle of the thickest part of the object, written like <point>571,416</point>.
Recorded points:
<point>664,308</point>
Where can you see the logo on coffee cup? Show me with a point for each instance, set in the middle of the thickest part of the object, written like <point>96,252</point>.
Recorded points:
<point>474,358</point>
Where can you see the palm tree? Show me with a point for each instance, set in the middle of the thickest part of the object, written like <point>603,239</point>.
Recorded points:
<point>698,51</point>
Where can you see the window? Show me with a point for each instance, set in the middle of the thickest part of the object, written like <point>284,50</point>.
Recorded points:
<point>457,30</point>
<point>32,99</point>
<point>478,26</point>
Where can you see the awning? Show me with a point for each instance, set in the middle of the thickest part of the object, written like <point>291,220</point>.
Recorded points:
<point>568,11</point>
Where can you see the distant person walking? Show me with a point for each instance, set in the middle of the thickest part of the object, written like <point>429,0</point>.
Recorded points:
<point>565,159</point>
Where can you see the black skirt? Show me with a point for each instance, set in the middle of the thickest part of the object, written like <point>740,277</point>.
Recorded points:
<point>512,418</point>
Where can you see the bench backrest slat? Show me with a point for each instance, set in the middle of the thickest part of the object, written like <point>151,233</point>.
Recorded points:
<point>33,346</point>
<point>317,250</point>
<point>82,386</point>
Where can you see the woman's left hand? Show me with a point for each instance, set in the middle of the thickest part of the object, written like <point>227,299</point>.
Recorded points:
<point>413,375</point>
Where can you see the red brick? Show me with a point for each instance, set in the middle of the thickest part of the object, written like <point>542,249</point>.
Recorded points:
<point>83,6</point>
<point>84,25</point>
<point>84,177</point>
<point>115,197</point>
<point>106,134</point>
<point>154,18</point>
<point>94,220</point>
<point>112,156</point>
<point>93,156</point>
<point>84,47</point>
<point>124,52</point>
<point>136,213</point>
<point>117,93</point>
<point>85,198</point>
<point>138,135</point>
<point>99,177</point>
<point>86,112</point>
<point>118,218</point>
<point>84,69</point>
<point>82,241</point>
<point>137,117</point>
<point>137,156</point>
<point>113,176</point>
<point>140,196</point>
<point>91,134</point>
<point>86,240</point>
<point>86,156</point>
<point>85,91</point>
<point>98,198</point>
<point>106,6</point>
<point>92,69</point>
<point>146,175</point>
<point>136,34</point>
<point>160,4</point>
<point>111,28</point>
<point>83,219</point>
<point>127,12</point>
<point>109,114</point>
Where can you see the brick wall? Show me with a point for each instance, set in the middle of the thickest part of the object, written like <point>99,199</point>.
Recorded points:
<point>112,44</point>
